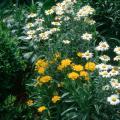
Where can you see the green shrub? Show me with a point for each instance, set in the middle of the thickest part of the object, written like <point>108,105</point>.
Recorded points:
<point>11,63</point>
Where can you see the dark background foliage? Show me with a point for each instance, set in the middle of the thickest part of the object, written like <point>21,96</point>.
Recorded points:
<point>12,65</point>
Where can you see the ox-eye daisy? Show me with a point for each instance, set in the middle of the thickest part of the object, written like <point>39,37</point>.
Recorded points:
<point>113,99</point>
<point>104,58</point>
<point>87,55</point>
<point>103,46</point>
<point>86,36</point>
<point>117,50</point>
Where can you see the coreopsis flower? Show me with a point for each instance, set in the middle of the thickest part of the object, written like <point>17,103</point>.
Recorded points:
<point>104,74</point>
<point>104,58</point>
<point>60,67</point>
<point>90,66</point>
<point>41,63</point>
<point>29,102</point>
<point>87,55</point>
<point>44,79</point>
<point>41,109</point>
<point>87,78</point>
<point>84,74</point>
<point>103,67</point>
<point>77,67</point>
<point>117,58</point>
<point>66,41</point>
<point>103,46</point>
<point>80,54</point>
<point>117,50</point>
<point>73,75</point>
<point>86,36</point>
<point>49,12</point>
<point>66,62</point>
<point>113,99</point>
<point>85,11</point>
<point>56,98</point>
<point>41,70</point>
<point>57,55</point>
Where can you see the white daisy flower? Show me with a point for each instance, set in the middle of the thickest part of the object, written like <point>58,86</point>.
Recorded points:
<point>113,99</point>
<point>86,36</point>
<point>103,67</point>
<point>104,58</point>
<point>85,11</point>
<point>39,28</point>
<point>45,35</point>
<point>54,30</point>
<point>49,12</point>
<point>66,18</point>
<point>117,58</point>
<point>66,41</point>
<point>115,84</point>
<point>58,9</point>
<point>39,20</point>
<point>87,55</point>
<point>56,23</point>
<point>114,72</point>
<point>29,25</point>
<point>114,80</point>
<point>104,74</point>
<point>32,15</point>
<point>117,50</point>
<point>103,46</point>
<point>30,32</point>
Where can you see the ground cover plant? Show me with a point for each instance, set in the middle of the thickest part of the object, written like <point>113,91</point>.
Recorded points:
<point>73,70</point>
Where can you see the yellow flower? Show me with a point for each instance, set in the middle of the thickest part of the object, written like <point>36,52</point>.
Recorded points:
<point>44,79</point>
<point>29,102</point>
<point>55,98</point>
<point>73,75</point>
<point>65,62</point>
<point>41,63</point>
<point>90,66</point>
<point>87,78</point>
<point>60,67</point>
<point>84,74</point>
<point>77,67</point>
<point>79,54</point>
<point>41,109</point>
<point>57,55</point>
<point>41,70</point>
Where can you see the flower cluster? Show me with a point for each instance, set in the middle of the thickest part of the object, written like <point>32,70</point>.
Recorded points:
<point>85,11</point>
<point>75,64</point>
